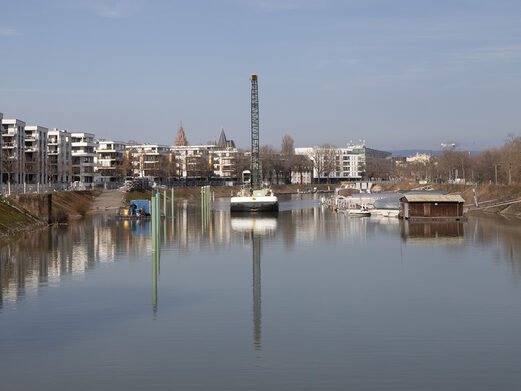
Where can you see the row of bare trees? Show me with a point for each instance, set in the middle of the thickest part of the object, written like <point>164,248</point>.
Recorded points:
<point>277,166</point>
<point>497,165</point>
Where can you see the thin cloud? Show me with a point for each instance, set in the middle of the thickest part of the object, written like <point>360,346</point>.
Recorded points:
<point>285,5</point>
<point>115,9</point>
<point>8,32</point>
<point>493,54</point>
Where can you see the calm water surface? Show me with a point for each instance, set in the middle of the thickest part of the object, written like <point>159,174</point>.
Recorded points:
<point>306,300</point>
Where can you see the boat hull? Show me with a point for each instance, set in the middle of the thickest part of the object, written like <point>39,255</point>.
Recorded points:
<point>254,204</point>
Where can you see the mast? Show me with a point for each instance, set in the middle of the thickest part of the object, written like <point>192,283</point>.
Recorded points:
<point>255,155</point>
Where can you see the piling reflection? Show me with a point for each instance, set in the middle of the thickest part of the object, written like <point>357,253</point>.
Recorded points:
<point>255,228</point>
<point>155,276</point>
<point>44,257</point>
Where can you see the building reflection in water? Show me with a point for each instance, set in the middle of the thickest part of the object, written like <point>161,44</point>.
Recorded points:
<point>254,228</point>
<point>450,231</point>
<point>44,257</point>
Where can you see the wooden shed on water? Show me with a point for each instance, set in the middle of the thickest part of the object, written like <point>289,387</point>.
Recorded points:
<point>431,207</point>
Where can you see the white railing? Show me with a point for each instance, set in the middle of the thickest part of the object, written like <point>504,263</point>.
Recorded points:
<point>10,189</point>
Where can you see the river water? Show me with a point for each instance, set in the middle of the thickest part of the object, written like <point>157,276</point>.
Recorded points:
<point>306,300</point>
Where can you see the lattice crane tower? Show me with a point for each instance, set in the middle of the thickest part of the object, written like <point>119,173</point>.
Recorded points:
<point>255,153</point>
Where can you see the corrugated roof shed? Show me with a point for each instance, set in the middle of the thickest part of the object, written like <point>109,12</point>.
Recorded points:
<point>433,198</point>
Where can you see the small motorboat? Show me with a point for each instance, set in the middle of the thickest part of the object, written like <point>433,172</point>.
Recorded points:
<point>362,212</point>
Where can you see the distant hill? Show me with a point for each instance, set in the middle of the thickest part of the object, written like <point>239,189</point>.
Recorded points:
<point>411,152</point>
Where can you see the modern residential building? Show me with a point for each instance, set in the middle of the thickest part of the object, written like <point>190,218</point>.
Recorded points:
<point>13,136</point>
<point>223,158</point>
<point>193,161</point>
<point>152,161</point>
<point>83,159</point>
<point>350,163</point>
<point>59,159</point>
<point>204,161</point>
<point>110,159</point>
<point>35,150</point>
<point>223,163</point>
<point>301,177</point>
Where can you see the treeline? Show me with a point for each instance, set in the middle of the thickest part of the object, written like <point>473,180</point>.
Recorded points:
<point>496,165</point>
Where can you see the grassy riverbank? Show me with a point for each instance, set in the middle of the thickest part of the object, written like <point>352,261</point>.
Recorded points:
<point>14,222</point>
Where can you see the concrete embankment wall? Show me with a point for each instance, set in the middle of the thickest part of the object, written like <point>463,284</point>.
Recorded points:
<point>39,205</point>
<point>25,212</point>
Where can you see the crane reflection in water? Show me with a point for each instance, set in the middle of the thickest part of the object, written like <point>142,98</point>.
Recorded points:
<point>255,227</point>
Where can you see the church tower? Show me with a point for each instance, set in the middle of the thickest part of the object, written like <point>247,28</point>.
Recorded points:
<point>180,140</point>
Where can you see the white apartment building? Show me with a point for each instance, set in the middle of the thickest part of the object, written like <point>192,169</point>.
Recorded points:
<point>349,163</point>
<point>151,161</point>
<point>196,161</point>
<point>223,162</point>
<point>83,159</point>
<point>109,156</point>
<point>35,150</point>
<point>59,151</point>
<point>192,161</point>
<point>13,138</point>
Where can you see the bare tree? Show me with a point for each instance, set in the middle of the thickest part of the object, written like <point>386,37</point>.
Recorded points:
<point>241,163</point>
<point>167,167</point>
<point>301,164</point>
<point>318,162</point>
<point>52,168</point>
<point>329,160</point>
<point>267,156</point>
<point>287,146</point>
<point>9,165</point>
<point>203,169</point>
<point>123,167</point>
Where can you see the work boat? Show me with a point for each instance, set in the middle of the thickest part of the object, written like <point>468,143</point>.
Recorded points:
<point>248,200</point>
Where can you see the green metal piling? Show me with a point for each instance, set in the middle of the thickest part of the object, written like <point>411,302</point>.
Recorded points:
<point>172,203</point>
<point>158,221</point>
<point>164,202</point>
<point>153,214</point>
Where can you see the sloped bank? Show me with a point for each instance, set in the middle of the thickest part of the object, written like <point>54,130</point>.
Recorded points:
<point>27,212</point>
<point>492,199</point>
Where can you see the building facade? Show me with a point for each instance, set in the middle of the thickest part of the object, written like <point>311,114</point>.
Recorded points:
<point>83,159</point>
<point>352,162</point>
<point>13,142</point>
<point>153,161</point>
<point>110,159</point>
<point>59,159</point>
<point>35,159</point>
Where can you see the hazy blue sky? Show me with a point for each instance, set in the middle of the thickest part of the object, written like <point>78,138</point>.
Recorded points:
<point>397,73</point>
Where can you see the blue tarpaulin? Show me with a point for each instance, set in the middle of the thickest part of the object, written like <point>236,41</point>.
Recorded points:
<point>141,204</point>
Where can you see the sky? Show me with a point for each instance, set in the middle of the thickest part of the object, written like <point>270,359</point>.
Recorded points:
<point>396,73</point>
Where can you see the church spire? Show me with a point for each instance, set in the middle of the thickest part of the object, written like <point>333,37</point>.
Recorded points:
<point>222,143</point>
<point>180,140</point>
